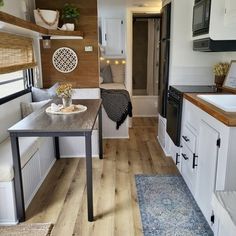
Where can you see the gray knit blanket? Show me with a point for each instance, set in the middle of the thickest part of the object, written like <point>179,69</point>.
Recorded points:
<point>117,104</point>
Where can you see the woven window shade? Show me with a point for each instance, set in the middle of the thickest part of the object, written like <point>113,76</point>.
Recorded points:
<point>16,53</point>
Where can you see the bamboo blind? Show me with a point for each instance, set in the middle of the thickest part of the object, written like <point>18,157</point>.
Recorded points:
<point>16,53</point>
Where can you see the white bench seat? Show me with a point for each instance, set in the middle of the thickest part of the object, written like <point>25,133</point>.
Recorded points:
<point>28,147</point>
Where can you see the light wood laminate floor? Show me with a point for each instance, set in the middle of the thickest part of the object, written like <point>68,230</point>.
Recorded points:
<point>62,197</point>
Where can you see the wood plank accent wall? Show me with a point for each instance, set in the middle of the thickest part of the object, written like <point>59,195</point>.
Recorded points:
<point>86,74</point>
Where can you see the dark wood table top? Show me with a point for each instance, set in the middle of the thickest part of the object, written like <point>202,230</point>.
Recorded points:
<point>42,122</point>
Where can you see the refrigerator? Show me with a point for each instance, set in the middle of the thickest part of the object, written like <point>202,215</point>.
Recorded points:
<point>164,59</point>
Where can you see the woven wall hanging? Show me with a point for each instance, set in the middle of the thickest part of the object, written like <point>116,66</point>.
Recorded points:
<point>64,60</point>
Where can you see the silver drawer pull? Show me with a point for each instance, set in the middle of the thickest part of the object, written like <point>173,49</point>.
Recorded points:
<point>186,139</point>
<point>184,156</point>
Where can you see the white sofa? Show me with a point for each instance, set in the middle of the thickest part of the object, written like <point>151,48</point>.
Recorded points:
<point>37,158</point>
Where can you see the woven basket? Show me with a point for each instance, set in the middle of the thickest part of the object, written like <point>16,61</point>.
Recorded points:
<point>49,16</point>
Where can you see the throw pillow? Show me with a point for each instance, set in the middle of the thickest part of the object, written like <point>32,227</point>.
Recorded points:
<point>118,73</point>
<point>29,107</point>
<point>100,79</point>
<point>44,94</point>
<point>106,74</point>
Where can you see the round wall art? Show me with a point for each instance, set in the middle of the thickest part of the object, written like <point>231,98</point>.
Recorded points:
<point>64,60</point>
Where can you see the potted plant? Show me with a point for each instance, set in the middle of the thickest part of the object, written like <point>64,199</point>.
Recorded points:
<point>70,14</point>
<point>220,70</point>
<point>1,3</point>
<point>65,92</point>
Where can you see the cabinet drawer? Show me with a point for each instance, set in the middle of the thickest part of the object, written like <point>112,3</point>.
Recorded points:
<point>191,114</point>
<point>189,138</point>
<point>188,168</point>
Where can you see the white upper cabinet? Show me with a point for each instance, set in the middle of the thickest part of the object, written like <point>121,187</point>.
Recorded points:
<point>230,12</point>
<point>113,37</point>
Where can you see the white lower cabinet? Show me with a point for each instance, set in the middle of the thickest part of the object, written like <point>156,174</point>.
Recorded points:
<point>207,167</point>
<point>208,160</point>
<point>188,168</point>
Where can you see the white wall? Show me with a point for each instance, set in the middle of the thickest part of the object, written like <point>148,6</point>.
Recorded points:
<point>188,66</point>
<point>111,8</point>
<point>18,7</point>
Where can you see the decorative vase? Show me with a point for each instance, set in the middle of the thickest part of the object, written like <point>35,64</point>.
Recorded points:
<point>66,101</point>
<point>219,80</point>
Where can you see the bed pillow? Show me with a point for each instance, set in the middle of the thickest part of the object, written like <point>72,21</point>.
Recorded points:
<point>106,74</point>
<point>44,94</point>
<point>118,73</point>
<point>29,107</point>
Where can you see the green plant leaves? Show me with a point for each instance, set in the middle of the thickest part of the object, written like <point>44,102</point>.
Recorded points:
<point>1,3</point>
<point>70,12</point>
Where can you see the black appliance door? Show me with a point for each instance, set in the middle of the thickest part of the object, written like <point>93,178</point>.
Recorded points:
<point>163,77</point>
<point>165,21</point>
<point>174,114</point>
<point>201,16</point>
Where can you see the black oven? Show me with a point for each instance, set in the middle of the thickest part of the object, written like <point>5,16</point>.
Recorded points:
<point>174,114</point>
<point>174,108</point>
<point>201,17</point>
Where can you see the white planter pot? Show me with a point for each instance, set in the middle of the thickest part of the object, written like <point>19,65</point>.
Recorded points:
<point>48,16</point>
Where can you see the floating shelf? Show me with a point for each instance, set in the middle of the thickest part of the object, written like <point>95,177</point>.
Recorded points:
<point>27,25</point>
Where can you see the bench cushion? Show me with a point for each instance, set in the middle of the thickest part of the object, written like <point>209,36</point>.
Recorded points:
<point>28,146</point>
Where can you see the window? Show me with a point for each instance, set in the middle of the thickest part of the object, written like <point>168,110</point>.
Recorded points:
<point>14,84</point>
<point>16,61</point>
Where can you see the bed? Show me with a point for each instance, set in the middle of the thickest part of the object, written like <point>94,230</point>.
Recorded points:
<point>112,78</point>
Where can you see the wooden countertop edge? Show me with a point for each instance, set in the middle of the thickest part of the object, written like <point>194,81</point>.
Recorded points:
<point>228,118</point>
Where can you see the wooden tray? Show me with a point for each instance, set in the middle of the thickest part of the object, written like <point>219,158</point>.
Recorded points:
<point>78,109</point>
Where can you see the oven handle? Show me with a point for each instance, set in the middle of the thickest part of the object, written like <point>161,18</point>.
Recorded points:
<point>186,139</point>
<point>184,156</point>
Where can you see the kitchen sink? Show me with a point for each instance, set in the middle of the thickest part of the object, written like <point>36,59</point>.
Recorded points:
<point>226,102</point>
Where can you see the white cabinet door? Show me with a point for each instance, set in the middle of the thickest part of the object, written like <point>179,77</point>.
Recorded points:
<point>230,12</point>
<point>113,37</point>
<point>207,166</point>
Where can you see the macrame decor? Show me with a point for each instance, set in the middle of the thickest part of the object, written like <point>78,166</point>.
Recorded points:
<point>65,60</point>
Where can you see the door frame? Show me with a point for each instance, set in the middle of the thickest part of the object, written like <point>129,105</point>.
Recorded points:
<point>129,40</point>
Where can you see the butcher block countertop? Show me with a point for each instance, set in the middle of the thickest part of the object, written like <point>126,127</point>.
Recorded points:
<point>228,118</point>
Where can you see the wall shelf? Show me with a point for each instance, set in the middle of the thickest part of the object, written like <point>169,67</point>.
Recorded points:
<point>12,21</point>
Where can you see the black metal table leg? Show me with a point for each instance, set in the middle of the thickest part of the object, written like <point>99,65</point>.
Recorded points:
<point>100,133</point>
<point>20,204</point>
<point>56,148</point>
<point>89,175</point>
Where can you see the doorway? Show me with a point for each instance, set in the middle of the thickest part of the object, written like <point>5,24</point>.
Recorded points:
<point>146,31</point>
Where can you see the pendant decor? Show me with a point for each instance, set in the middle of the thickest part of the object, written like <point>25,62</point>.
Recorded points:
<point>65,60</point>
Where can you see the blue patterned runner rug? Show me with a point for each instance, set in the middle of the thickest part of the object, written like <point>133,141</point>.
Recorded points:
<point>168,208</point>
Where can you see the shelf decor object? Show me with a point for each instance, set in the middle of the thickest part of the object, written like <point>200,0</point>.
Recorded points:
<point>46,18</point>
<point>65,60</point>
<point>220,70</point>
<point>11,21</point>
<point>72,109</point>
<point>70,14</point>
<point>230,80</point>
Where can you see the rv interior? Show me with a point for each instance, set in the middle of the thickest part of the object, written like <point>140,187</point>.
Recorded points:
<point>117,117</point>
